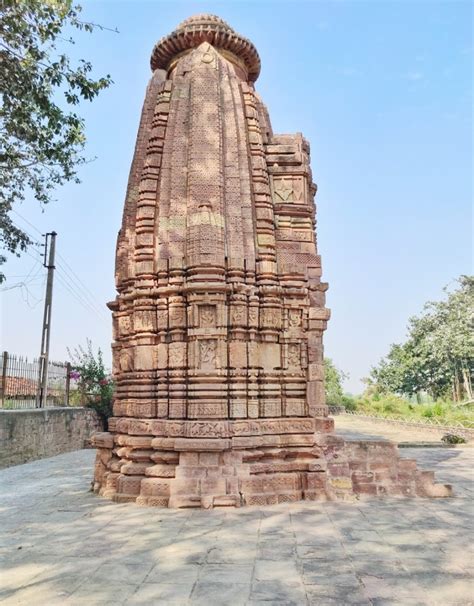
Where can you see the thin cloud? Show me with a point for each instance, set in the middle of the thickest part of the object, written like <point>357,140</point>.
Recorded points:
<point>322,25</point>
<point>414,76</point>
<point>350,71</point>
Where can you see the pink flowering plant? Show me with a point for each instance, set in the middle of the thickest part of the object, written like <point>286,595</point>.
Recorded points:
<point>91,380</point>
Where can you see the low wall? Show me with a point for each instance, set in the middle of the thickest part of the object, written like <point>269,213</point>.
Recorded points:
<point>26,435</point>
<point>459,430</point>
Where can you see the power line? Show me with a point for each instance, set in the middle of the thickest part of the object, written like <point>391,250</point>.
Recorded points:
<point>79,294</point>
<point>32,238</point>
<point>23,282</point>
<point>80,300</point>
<point>84,292</point>
<point>39,255</point>
<point>26,276</point>
<point>64,280</point>
<point>28,222</point>
<point>17,285</point>
<point>86,289</point>
<point>21,275</point>
<point>26,294</point>
<point>37,263</point>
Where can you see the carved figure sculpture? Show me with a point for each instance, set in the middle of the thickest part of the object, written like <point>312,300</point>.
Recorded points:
<point>220,309</point>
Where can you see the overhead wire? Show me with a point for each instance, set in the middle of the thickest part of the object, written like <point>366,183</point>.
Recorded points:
<point>27,222</point>
<point>79,291</point>
<point>65,281</point>
<point>62,282</point>
<point>26,294</point>
<point>87,292</point>
<point>27,278</point>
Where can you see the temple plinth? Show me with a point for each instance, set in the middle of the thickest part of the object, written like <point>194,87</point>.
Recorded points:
<point>220,312</point>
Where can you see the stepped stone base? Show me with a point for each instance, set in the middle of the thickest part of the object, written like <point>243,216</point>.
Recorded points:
<point>251,463</point>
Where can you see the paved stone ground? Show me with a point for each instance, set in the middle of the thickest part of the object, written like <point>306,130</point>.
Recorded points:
<point>358,428</point>
<point>62,545</point>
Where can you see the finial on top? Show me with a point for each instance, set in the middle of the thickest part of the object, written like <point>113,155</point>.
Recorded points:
<point>197,29</point>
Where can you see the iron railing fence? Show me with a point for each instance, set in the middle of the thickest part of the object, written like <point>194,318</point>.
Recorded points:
<point>19,382</point>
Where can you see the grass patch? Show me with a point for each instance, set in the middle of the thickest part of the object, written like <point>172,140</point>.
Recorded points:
<point>390,405</point>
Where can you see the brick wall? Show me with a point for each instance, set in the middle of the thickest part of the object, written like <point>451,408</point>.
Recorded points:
<point>26,435</point>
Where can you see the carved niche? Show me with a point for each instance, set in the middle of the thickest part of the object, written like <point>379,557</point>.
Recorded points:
<point>144,320</point>
<point>294,318</point>
<point>124,325</point>
<point>126,360</point>
<point>294,355</point>
<point>289,189</point>
<point>270,317</point>
<point>237,315</point>
<point>207,316</point>
<point>177,354</point>
<point>177,316</point>
<point>207,353</point>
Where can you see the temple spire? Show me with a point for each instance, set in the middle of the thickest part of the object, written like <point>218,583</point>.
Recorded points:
<point>220,311</point>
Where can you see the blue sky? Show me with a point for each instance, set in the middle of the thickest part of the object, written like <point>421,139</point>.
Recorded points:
<point>383,92</point>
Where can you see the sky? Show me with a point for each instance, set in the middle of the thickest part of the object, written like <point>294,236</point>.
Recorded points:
<point>383,92</point>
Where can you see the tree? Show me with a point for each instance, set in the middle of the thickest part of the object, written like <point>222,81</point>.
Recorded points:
<point>398,372</point>
<point>333,379</point>
<point>93,381</point>
<point>41,138</point>
<point>438,356</point>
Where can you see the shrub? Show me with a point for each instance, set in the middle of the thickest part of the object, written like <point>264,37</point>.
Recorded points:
<point>349,402</point>
<point>451,438</point>
<point>94,384</point>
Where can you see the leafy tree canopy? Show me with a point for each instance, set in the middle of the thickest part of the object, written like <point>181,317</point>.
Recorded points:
<point>41,137</point>
<point>438,355</point>
<point>333,380</point>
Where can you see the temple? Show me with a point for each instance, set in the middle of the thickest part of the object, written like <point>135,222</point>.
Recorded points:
<point>220,312</point>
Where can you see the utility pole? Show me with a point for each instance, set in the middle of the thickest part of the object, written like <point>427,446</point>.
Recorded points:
<point>46,333</point>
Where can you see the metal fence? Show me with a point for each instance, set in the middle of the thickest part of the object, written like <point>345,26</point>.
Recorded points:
<point>19,382</point>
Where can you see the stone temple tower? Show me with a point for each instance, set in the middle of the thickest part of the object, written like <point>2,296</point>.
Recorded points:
<point>218,321</point>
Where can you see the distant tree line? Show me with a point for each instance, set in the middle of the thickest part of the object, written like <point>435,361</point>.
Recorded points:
<point>438,356</point>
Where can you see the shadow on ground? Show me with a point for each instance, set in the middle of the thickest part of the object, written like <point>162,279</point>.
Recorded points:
<point>63,545</point>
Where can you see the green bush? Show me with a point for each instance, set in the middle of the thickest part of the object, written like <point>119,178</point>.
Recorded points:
<point>427,412</point>
<point>349,403</point>
<point>445,412</point>
<point>451,438</point>
<point>95,387</point>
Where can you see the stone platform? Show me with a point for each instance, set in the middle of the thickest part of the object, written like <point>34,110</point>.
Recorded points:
<point>162,463</point>
<point>61,545</point>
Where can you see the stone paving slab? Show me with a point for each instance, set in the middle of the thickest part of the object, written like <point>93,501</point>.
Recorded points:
<point>62,545</point>
<point>353,427</point>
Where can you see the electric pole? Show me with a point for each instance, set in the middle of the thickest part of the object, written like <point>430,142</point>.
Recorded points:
<point>46,333</point>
